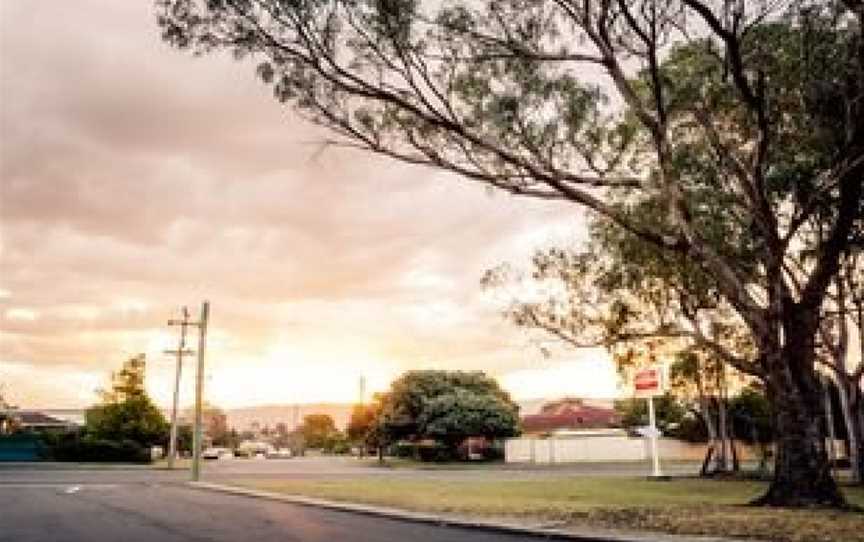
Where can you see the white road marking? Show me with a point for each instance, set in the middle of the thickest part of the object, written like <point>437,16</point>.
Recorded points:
<point>66,487</point>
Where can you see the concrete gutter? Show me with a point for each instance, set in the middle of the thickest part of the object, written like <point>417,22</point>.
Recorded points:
<point>538,530</point>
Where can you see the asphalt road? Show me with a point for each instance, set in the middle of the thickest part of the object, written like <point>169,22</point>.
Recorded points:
<point>132,505</point>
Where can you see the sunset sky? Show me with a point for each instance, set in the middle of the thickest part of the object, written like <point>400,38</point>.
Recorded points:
<point>135,179</point>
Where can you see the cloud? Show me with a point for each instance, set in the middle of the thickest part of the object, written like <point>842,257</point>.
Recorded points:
<point>135,179</point>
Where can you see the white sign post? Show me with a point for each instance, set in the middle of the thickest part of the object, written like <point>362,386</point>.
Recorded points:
<point>649,383</point>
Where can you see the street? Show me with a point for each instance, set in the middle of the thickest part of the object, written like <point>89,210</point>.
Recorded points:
<point>139,504</point>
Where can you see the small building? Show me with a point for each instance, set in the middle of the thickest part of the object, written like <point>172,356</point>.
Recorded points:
<point>570,414</point>
<point>34,421</point>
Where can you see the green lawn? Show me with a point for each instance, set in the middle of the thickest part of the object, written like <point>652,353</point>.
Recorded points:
<point>689,506</point>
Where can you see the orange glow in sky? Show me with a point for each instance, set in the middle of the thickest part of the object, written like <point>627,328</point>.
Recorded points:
<point>134,180</point>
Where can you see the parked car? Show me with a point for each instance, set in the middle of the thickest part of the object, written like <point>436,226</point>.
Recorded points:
<point>280,453</point>
<point>253,449</point>
<point>215,453</point>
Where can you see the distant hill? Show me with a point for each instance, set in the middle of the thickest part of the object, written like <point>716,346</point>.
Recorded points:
<point>291,415</point>
<point>269,415</point>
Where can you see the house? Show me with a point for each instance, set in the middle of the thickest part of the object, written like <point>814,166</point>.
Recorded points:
<point>33,421</point>
<point>570,414</point>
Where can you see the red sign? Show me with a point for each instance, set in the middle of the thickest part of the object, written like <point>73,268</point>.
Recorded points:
<point>648,381</point>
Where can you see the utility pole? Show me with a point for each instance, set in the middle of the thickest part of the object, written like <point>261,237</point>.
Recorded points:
<point>360,402</point>
<point>180,352</point>
<point>199,391</point>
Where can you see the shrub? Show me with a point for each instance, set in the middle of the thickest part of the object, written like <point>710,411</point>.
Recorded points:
<point>89,449</point>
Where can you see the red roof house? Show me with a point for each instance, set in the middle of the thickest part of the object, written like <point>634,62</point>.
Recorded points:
<point>570,414</point>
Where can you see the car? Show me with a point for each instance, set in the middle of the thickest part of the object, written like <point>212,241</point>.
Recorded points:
<point>280,453</point>
<point>214,453</point>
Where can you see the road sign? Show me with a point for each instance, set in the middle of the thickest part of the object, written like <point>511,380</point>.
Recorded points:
<point>649,382</point>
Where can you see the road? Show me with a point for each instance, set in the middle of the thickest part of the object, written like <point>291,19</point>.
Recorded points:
<point>71,503</point>
<point>132,505</point>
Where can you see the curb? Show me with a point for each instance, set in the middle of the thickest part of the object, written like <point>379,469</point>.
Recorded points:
<point>453,521</point>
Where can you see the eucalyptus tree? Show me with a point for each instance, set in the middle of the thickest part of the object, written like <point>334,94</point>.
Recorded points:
<point>645,306</point>
<point>597,102</point>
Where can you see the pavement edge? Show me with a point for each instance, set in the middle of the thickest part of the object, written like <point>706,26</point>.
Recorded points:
<point>453,521</point>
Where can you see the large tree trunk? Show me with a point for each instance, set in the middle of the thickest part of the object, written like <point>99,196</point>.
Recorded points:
<point>802,472</point>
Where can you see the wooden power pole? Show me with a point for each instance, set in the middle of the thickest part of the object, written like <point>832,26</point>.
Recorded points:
<point>198,434</point>
<point>180,352</point>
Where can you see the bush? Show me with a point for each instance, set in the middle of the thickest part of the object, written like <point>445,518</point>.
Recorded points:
<point>691,428</point>
<point>89,449</point>
<point>436,452</point>
<point>341,447</point>
<point>402,449</point>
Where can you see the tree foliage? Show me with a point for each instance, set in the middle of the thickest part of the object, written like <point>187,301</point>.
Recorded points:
<point>634,412</point>
<point>362,422</point>
<point>446,406</point>
<point>128,382</point>
<point>126,412</point>
<point>750,413</point>
<point>718,132</point>
<point>318,430</point>
<point>214,422</point>
<point>136,419</point>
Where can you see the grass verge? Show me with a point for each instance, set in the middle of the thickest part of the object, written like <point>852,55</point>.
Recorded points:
<point>681,506</point>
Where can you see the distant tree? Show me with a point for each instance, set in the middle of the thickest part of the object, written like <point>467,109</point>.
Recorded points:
<point>446,406</point>
<point>128,382</point>
<point>184,438</point>
<point>7,422</point>
<point>216,425</point>
<point>3,403</point>
<point>702,381</point>
<point>214,421</point>
<point>280,437</point>
<point>126,412</point>
<point>317,430</point>
<point>362,422</point>
<point>336,443</point>
<point>233,439</point>
<point>634,412</point>
<point>135,418</point>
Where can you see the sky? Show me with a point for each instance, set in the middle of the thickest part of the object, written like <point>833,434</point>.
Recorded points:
<point>135,179</point>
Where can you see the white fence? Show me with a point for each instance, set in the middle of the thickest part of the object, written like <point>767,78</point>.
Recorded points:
<point>600,448</point>
<point>574,450</point>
